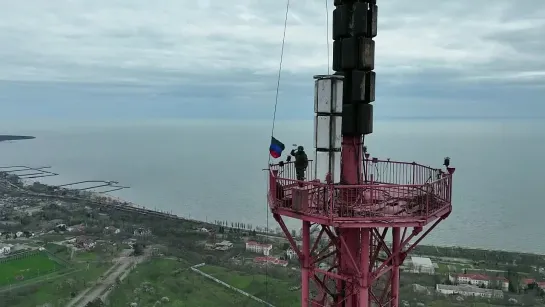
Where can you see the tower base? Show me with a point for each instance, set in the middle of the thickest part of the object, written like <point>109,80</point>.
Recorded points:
<point>352,267</point>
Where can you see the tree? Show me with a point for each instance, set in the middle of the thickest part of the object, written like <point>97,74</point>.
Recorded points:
<point>26,220</point>
<point>138,249</point>
<point>209,259</point>
<point>514,280</point>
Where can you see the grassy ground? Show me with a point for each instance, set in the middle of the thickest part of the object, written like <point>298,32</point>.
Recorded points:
<point>269,289</point>
<point>458,268</point>
<point>18,270</point>
<point>56,288</point>
<point>159,278</point>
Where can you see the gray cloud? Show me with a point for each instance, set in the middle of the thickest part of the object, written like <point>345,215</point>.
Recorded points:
<point>426,49</point>
<point>110,39</point>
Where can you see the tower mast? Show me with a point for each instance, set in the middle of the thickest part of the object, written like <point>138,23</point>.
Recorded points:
<point>354,198</point>
<point>354,26</point>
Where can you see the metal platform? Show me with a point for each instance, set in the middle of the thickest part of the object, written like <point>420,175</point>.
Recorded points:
<point>403,193</point>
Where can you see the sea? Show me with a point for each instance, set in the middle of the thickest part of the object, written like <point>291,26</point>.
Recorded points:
<point>213,169</point>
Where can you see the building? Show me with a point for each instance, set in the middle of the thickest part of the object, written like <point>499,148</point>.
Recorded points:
<point>5,249</point>
<point>468,290</point>
<point>111,230</point>
<point>324,266</point>
<point>85,243</point>
<point>421,265</point>
<point>259,248</point>
<point>271,260</point>
<point>142,232</point>
<point>525,283</point>
<point>481,280</point>
<point>291,254</point>
<point>223,245</point>
<point>79,227</point>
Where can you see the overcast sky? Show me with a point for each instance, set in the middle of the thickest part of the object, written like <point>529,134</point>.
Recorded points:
<point>219,58</point>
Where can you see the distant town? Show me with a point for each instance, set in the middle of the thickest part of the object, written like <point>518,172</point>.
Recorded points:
<point>68,247</point>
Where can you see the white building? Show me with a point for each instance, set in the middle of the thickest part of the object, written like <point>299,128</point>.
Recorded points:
<point>468,290</point>
<point>259,248</point>
<point>481,280</point>
<point>421,265</point>
<point>5,249</point>
<point>291,254</point>
<point>224,245</point>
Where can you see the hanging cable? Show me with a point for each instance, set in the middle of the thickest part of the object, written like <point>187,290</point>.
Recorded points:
<point>327,33</point>
<point>280,70</point>
<point>272,134</point>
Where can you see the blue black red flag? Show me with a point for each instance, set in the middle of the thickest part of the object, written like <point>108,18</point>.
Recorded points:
<point>276,148</point>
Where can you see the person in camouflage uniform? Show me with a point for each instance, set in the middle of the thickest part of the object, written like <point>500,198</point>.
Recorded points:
<point>301,162</point>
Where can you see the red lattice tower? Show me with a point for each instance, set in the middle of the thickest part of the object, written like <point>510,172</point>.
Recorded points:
<point>355,200</point>
<point>349,262</point>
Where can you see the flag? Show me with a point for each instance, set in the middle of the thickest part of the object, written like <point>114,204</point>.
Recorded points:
<point>276,148</point>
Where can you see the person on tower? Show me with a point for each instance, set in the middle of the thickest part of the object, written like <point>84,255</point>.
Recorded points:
<point>301,162</point>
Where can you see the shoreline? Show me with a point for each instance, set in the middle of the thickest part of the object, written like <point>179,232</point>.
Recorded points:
<point>122,204</point>
<point>274,234</point>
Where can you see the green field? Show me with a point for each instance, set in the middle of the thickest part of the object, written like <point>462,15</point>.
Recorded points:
<point>58,287</point>
<point>159,278</point>
<point>276,292</point>
<point>174,280</point>
<point>21,268</point>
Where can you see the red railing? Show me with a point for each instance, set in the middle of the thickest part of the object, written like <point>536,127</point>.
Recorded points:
<point>402,173</point>
<point>391,189</point>
<point>286,170</point>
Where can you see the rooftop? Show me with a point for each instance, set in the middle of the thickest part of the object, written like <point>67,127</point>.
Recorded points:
<point>467,288</point>
<point>254,243</point>
<point>224,243</point>
<point>528,281</point>
<point>482,277</point>
<point>421,261</point>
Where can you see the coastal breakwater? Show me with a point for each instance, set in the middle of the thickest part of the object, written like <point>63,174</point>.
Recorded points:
<point>101,200</point>
<point>6,137</point>
<point>112,202</point>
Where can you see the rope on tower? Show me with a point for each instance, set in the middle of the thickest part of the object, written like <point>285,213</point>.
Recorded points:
<point>272,131</point>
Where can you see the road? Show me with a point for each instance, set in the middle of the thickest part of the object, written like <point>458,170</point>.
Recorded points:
<point>121,267</point>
